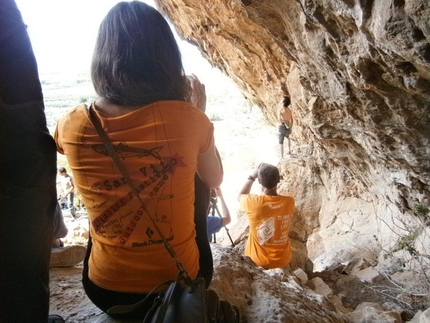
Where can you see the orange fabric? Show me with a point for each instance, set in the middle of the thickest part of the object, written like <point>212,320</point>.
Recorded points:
<point>158,145</point>
<point>269,219</point>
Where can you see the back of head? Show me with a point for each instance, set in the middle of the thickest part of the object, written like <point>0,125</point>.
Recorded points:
<point>62,170</point>
<point>136,60</point>
<point>286,101</point>
<point>268,176</point>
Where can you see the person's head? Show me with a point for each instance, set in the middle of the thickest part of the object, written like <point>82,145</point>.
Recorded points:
<point>62,171</point>
<point>136,60</point>
<point>286,101</point>
<point>268,176</point>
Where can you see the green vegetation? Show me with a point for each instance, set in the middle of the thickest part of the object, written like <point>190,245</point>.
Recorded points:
<point>423,211</point>
<point>406,242</point>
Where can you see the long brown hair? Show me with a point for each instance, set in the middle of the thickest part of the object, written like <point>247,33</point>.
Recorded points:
<point>137,60</point>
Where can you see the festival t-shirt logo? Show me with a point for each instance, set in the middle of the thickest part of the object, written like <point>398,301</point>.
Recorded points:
<point>266,230</point>
<point>153,179</point>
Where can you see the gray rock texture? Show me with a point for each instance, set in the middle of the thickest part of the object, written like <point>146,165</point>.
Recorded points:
<point>358,74</point>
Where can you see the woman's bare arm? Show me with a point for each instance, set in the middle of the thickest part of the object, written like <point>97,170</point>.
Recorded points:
<point>210,168</point>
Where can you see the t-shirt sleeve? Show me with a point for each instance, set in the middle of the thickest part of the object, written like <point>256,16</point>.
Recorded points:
<point>67,119</point>
<point>243,202</point>
<point>245,199</point>
<point>57,139</point>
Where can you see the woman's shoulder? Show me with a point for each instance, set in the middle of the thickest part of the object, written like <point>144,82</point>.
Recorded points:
<point>79,109</point>
<point>73,115</point>
<point>180,105</point>
<point>182,110</point>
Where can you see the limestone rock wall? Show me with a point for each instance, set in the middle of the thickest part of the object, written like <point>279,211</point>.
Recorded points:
<point>358,74</point>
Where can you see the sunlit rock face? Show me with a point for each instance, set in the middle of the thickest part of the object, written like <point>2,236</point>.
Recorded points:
<point>358,74</point>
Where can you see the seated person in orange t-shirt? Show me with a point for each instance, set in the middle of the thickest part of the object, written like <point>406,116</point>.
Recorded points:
<point>153,115</point>
<point>269,216</point>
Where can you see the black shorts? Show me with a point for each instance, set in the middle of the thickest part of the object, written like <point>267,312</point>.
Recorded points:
<point>283,132</point>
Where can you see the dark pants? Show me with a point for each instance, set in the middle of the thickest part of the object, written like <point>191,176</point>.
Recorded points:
<point>201,206</point>
<point>70,203</point>
<point>105,299</point>
<point>27,177</point>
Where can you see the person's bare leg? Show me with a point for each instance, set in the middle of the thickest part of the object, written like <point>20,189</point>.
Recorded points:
<point>289,146</point>
<point>281,150</point>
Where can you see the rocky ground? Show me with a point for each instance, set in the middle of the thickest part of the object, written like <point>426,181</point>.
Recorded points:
<point>349,293</point>
<point>352,292</point>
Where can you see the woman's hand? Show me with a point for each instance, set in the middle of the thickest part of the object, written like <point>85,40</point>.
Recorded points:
<point>198,93</point>
<point>218,191</point>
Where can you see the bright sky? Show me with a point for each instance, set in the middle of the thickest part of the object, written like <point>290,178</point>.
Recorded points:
<point>63,34</point>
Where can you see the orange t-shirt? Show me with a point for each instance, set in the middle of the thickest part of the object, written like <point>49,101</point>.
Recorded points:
<point>269,219</point>
<point>158,144</point>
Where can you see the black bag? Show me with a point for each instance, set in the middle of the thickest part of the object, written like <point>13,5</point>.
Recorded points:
<point>186,300</point>
<point>180,303</point>
<point>185,303</point>
<point>220,311</point>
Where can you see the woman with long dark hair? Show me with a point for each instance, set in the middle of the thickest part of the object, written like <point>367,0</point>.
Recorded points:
<point>162,139</point>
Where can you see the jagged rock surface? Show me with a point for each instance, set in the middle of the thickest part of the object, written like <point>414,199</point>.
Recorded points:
<point>358,74</point>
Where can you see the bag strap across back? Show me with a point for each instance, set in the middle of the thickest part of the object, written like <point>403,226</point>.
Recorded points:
<point>112,152</point>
